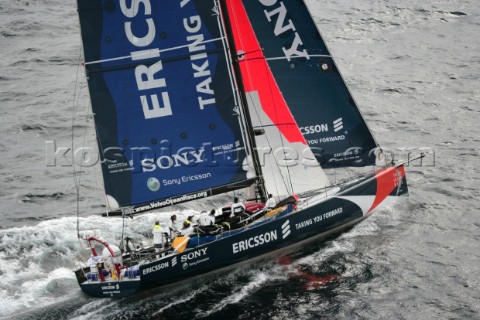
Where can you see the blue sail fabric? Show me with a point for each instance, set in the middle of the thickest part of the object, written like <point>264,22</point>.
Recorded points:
<point>163,101</point>
<point>310,83</point>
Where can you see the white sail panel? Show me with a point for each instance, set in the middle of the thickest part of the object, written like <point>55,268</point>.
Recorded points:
<point>288,167</point>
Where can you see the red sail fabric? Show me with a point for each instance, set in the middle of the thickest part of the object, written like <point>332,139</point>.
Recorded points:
<point>252,60</point>
<point>288,164</point>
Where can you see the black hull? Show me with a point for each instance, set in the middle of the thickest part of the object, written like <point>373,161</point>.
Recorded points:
<point>323,217</point>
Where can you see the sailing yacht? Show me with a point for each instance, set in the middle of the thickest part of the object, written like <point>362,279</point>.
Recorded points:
<point>196,98</point>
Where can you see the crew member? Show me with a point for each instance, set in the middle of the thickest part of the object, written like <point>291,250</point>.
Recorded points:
<point>187,227</point>
<point>212,216</point>
<point>188,221</point>
<point>173,226</point>
<point>270,204</point>
<point>207,219</point>
<point>237,209</point>
<point>157,237</point>
<point>203,219</point>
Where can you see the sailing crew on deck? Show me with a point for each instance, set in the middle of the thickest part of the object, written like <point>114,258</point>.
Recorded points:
<point>187,228</point>
<point>157,237</point>
<point>270,204</point>
<point>173,226</point>
<point>188,221</point>
<point>212,216</point>
<point>207,219</point>
<point>203,219</point>
<point>237,209</point>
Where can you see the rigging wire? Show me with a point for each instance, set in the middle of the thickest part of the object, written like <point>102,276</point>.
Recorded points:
<point>243,111</point>
<point>76,178</point>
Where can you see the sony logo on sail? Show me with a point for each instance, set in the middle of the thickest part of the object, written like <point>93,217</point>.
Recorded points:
<point>176,160</point>
<point>282,26</point>
<point>146,77</point>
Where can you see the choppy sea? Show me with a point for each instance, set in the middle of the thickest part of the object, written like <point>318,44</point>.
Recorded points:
<point>413,68</point>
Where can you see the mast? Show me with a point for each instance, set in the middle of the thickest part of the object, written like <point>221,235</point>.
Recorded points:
<point>260,182</point>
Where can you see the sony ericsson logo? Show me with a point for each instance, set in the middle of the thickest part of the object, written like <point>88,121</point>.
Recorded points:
<point>286,229</point>
<point>283,27</point>
<point>153,184</point>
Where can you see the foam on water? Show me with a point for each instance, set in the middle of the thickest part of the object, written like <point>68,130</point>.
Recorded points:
<point>91,309</point>
<point>182,300</point>
<point>37,262</point>
<point>237,295</point>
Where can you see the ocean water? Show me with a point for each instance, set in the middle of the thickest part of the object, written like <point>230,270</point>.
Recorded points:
<point>413,68</point>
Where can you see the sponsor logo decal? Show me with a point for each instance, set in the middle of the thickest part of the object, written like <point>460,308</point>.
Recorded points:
<point>152,86</point>
<point>284,28</point>
<point>156,267</point>
<point>164,203</point>
<point>166,162</point>
<point>316,128</point>
<point>111,287</point>
<point>338,125</point>
<point>254,241</point>
<point>153,184</point>
<point>193,255</point>
<point>303,224</point>
<point>174,261</point>
<point>186,179</point>
<point>322,127</point>
<point>286,229</point>
<point>319,218</point>
<point>193,258</point>
<point>327,140</point>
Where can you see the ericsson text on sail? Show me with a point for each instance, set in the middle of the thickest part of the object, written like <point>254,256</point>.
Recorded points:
<point>152,86</point>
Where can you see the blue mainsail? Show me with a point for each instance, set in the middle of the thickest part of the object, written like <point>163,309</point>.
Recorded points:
<point>165,111</point>
<point>310,82</point>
